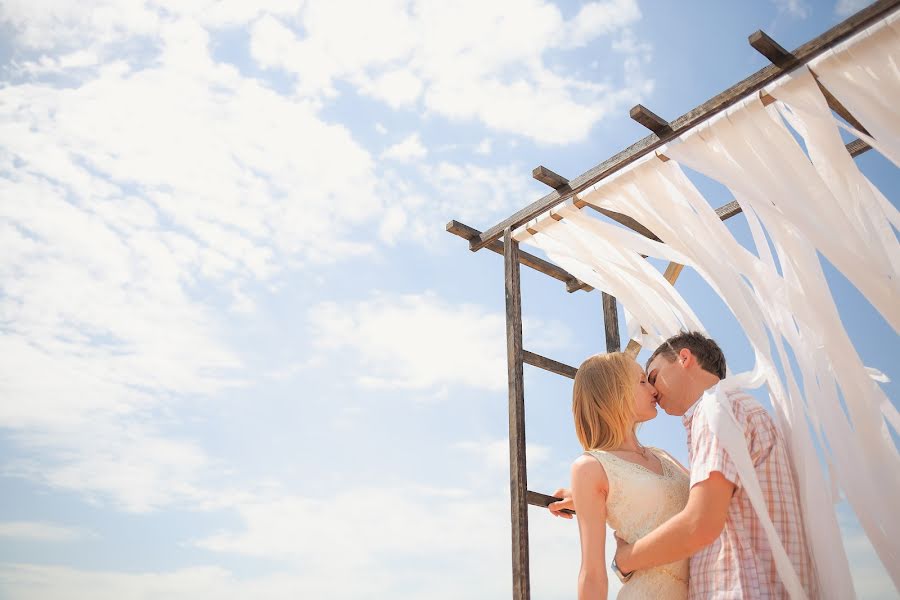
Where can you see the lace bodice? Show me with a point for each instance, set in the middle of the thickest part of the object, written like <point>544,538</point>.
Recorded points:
<point>638,502</point>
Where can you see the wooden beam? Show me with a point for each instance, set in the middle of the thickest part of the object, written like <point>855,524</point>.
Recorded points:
<point>611,323</point>
<point>627,221</point>
<point>649,119</point>
<point>548,364</point>
<point>835,105</point>
<point>771,49</point>
<point>689,120</point>
<point>518,479</point>
<point>784,60</point>
<point>545,175</point>
<point>538,499</point>
<point>529,260</point>
<point>857,147</point>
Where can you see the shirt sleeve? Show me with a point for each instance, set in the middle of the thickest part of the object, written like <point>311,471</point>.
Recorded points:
<point>708,454</point>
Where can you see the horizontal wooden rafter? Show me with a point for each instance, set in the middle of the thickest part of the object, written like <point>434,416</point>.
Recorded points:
<point>538,499</point>
<point>529,260</point>
<point>548,364</point>
<point>682,124</point>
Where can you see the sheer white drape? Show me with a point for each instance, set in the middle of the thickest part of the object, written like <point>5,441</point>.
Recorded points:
<point>827,404</point>
<point>864,74</point>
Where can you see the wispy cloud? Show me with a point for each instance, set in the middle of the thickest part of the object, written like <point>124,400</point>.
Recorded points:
<point>422,342</point>
<point>40,531</point>
<point>408,149</point>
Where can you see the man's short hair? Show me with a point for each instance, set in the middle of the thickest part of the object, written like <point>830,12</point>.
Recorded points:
<point>707,352</point>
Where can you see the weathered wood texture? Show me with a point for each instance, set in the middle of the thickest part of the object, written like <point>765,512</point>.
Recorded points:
<point>548,364</point>
<point>548,177</point>
<point>784,60</point>
<point>671,274</point>
<point>708,109</point>
<point>649,119</point>
<point>611,323</point>
<point>529,260</point>
<point>518,479</point>
<point>538,499</point>
<point>771,49</point>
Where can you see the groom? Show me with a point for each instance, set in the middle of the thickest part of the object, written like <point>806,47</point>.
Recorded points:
<point>718,529</point>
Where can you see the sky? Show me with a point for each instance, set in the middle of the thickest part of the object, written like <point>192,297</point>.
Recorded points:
<point>241,357</point>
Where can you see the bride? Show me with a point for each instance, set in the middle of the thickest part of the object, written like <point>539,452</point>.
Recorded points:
<point>619,482</point>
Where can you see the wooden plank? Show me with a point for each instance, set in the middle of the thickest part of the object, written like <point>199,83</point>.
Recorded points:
<point>649,119</point>
<point>672,272</point>
<point>671,275</point>
<point>545,175</point>
<point>518,480</point>
<point>835,105</point>
<point>727,211</point>
<point>783,59</point>
<point>771,49</point>
<point>611,323</point>
<point>857,147</point>
<point>687,121</point>
<point>538,499</point>
<point>548,364</point>
<point>529,260</point>
<point>627,221</point>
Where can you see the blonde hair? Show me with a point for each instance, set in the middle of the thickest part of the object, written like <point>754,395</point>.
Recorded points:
<point>603,401</point>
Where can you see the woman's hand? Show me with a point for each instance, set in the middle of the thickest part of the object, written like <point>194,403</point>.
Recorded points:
<point>564,504</point>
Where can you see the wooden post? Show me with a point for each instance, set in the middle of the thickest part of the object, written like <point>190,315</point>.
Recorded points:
<point>518,481</point>
<point>611,323</point>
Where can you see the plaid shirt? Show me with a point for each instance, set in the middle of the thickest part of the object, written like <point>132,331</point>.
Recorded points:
<point>739,563</point>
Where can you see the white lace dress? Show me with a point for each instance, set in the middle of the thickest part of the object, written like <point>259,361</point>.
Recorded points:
<point>638,502</point>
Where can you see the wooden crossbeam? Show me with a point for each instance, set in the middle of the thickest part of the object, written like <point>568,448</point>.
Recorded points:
<point>771,49</point>
<point>548,364</point>
<point>650,119</point>
<point>538,499</point>
<point>785,61</point>
<point>545,175</point>
<point>529,260</point>
<point>689,120</point>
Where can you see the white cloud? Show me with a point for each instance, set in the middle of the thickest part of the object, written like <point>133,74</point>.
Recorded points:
<point>600,18</point>
<point>469,60</point>
<point>408,149</point>
<point>380,128</point>
<point>795,8</point>
<point>484,147</point>
<point>845,8</point>
<point>40,531</point>
<point>397,88</point>
<point>421,342</point>
<point>145,198</point>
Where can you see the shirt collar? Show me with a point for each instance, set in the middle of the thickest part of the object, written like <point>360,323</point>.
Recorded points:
<point>688,417</point>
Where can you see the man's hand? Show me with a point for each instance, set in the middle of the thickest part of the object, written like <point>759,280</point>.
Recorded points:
<point>623,553</point>
<point>566,502</point>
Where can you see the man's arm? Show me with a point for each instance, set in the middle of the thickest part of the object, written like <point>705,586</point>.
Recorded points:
<point>695,527</point>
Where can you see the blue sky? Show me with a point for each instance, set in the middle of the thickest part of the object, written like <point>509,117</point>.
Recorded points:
<point>242,358</point>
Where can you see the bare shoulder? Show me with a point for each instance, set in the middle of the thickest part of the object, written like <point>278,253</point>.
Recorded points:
<point>588,471</point>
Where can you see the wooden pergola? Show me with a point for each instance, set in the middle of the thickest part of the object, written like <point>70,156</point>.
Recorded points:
<point>662,131</point>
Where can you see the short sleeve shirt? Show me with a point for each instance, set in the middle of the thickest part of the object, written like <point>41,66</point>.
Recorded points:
<point>739,564</point>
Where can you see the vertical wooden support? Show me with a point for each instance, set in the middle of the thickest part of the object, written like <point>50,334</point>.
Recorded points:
<point>518,482</point>
<point>611,323</point>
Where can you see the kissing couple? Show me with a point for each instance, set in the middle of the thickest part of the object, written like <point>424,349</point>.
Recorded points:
<point>681,533</point>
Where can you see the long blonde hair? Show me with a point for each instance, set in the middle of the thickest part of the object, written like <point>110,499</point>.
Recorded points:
<point>603,401</point>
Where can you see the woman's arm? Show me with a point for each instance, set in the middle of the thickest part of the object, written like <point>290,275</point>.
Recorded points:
<point>589,490</point>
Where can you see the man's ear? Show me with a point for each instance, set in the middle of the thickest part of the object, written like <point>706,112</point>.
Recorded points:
<point>686,357</point>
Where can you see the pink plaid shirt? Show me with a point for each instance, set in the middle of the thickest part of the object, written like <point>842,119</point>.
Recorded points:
<point>739,563</point>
